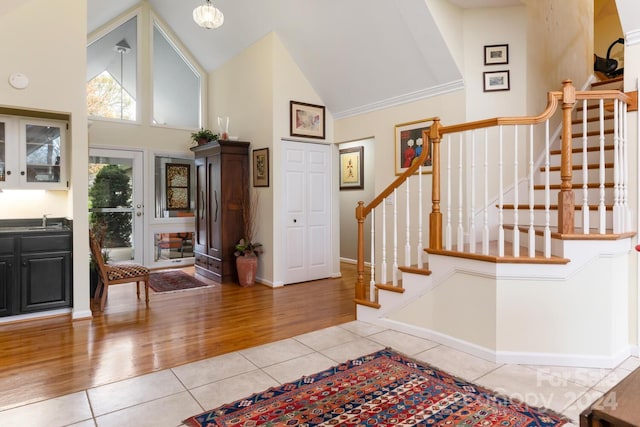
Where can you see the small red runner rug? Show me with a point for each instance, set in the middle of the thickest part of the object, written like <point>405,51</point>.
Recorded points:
<point>173,281</point>
<point>383,389</point>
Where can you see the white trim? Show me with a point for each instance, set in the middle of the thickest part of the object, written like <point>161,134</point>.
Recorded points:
<point>38,315</point>
<point>81,314</point>
<point>510,357</point>
<point>401,99</point>
<point>557,359</point>
<point>635,350</point>
<point>632,37</point>
<point>455,343</point>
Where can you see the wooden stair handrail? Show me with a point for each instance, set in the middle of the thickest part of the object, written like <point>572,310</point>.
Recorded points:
<point>566,201</point>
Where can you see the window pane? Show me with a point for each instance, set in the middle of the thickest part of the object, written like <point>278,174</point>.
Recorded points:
<point>174,104</point>
<point>112,73</point>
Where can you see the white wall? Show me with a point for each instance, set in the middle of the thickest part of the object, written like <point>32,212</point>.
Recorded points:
<point>33,37</point>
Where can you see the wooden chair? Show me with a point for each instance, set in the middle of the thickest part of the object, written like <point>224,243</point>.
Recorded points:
<point>113,274</point>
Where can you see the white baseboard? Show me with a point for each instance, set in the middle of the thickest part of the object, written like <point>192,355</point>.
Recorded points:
<point>39,315</point>
<point>635,351</point>
<point>81,315</point>
<point>510,357</point>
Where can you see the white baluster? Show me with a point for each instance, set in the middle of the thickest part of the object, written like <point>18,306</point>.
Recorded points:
<point>472,209</point>
<point>532,231</point>
<point>372,281</point>
<point>420,248</point>
<point>616,168</point>
<point>448,229</point>
<point>500,197</point>
<point>460,231</point>
<point>602,210</point>
<point>383,264</point>
<point>485,228</point>
<point>625,162</point>
<point>547,193</point>
<point>395,271</point>
<point>585,171</point>
<point>407,237</point>
<point>516,229</point>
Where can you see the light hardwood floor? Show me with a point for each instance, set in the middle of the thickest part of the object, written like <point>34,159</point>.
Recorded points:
<point>51,357</point>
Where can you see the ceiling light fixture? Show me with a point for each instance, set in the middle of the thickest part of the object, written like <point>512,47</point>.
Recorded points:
<point>122,47</point>
<point>207,16</point>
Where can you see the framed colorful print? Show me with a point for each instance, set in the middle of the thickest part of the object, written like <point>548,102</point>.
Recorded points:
<point>409,145</point>
<point>496,54</point>
<point>351,168</point>
<point>177,184</point>
<point>496,80</point>
<point>306,120</point>
<point>261,167</point>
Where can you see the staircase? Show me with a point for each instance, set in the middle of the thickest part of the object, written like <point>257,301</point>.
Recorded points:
<point>503,217</point>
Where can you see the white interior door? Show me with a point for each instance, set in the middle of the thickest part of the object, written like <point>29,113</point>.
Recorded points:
<point>118,201</point>
<point>307,207</point>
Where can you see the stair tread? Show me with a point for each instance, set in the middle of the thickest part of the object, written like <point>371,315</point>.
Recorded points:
<point>539,257</point>
<point>577,167</point>
<point>573,185</point>
<point>578,233</point>
<point>553,207</point>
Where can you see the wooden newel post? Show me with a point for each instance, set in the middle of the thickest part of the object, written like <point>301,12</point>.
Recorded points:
<point>435,217</point>
<point>360,294</point>
<point>566,197</point>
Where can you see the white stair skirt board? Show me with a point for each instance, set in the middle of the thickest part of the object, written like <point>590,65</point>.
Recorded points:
<point>506,312</point>
<point>506,357</point>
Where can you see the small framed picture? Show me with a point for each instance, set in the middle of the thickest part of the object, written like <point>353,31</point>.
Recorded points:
<point>177,186</point>
<point>351,168</point>
<point>496,54</point>
<point>306,120</point>
<point>410,143</point>
<point>496,80</point>
<point>261,167</point>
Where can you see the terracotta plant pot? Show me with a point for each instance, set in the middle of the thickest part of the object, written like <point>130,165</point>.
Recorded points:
<point>247,266</point>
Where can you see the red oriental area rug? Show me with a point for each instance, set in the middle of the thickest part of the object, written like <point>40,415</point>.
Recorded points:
<point>383,389</point>
<point>173,281</point>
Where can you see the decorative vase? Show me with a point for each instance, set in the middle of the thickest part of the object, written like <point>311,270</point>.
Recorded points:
<point>202,141</point>
<point>247,265</point>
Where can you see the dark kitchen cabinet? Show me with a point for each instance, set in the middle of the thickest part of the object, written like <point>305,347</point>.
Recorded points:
<point>222,186</point>
<point>7,276</point>
<point>35,272</point>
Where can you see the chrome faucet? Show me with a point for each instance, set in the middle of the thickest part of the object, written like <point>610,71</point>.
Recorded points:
<point>44,219</point>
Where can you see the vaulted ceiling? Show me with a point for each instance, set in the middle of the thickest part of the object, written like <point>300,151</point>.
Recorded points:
<point>358,55</point>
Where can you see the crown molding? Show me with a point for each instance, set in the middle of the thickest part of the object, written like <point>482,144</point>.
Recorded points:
<point>632,37</point>
<point>402,99</point>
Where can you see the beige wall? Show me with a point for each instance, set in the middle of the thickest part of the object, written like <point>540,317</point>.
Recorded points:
<point>53,57</point>
<point>560,46</point>
<point>254,89</point>
<point>349,199</point>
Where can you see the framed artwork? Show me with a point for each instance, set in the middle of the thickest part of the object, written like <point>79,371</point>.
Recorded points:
<point>177,185</point>
<point>496,54</point>
<point>496,80</point>
<point>306,120</point>
<point>261,167</point>
<point>351,168</point>
<point>409,145</point>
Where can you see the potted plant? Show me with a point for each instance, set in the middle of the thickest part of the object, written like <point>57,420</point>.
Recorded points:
<point>247,250</point>
<point>203,136</point>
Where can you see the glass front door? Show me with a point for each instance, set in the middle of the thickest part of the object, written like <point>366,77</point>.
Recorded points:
<point>116,202</point>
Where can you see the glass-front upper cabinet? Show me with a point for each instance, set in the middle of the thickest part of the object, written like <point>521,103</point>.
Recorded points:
<point>32,153</point>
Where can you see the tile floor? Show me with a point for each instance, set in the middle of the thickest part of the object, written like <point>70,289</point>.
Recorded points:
<point>167,397</point>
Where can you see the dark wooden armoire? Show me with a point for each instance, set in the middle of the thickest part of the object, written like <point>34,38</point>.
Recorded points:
<point>222,182</point>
